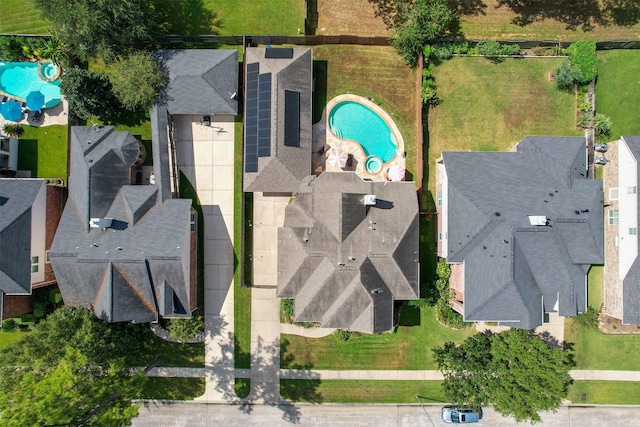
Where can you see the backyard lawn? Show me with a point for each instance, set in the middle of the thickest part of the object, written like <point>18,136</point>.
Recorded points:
<point>361,391</point>
<point>595,283</point>
<point>369,71</point>
<point>495,23</point>
<point>22,17</point>
<point>43,151</point>
<point>408,348</point>
<point>258,17</point>
<point>618,90</point>
<point>490,107</point>
<point>7,338</point>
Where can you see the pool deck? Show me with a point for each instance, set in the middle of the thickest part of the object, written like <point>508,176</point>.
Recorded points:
<point>324,141</point>
<point>58,115</point>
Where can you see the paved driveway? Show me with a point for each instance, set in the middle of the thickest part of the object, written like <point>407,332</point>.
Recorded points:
<point>205,155</point>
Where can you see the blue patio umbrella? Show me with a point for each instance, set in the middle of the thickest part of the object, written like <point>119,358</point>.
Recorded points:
<point>35,100</point>
<point>11,110</point>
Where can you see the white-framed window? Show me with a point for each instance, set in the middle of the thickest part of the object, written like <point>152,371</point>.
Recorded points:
<point>633,231</point>
<point>614,217</point>
<point>632,190</point>
<point>613,193</point>
<point>439,198</point>
<point>34,264</point>
<point>47,257</point>
<point>192,222</point>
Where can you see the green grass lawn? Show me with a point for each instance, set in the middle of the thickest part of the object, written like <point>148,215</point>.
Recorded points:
<point>490,107</point>
<point>361,391</point>
<point>369,71</point>
<point>242,295</point>
<point>22,17</point>
<point>495,23</point>
<point>595,350</point>
<point>595,283</point>
<point>408,348</point>
<point>258,17</point>
<point>43,151</point>
<point>605,392</point>
<point>7,338</point>
<point>618,90</point>
<point>173,388</point>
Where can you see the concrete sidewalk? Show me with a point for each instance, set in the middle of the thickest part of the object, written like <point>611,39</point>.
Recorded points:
<point>287,328</point>
<point>400,375</point>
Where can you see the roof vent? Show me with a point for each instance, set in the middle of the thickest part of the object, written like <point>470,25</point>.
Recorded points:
<point>497,213</point>
<point>538,220</point>
<point>100,222</point>
<point>370,200</point>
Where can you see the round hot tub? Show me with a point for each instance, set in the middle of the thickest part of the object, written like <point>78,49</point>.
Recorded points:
<point>373,164</point>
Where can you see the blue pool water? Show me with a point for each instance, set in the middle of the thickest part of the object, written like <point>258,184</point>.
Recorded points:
<point>352,120</point>
<point>20,78</point>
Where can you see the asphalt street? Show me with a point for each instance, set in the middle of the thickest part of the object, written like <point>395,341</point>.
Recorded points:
<point>193,414</point>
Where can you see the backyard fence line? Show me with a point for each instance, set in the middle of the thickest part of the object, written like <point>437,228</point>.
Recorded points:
<point>277,39</point>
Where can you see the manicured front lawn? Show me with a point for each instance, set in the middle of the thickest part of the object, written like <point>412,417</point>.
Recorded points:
<point>618,90</point>
<point>595,350</point>
<point>369,71</point>
<point>605,392</point>
<point>408,348</point>
<point>490,107</point>
<point>173,388</point>
<point>258,17</point>
<point>171,354</point>
<point>361,391</point>
<point>22,17</point>
<point>43,151</point>
<point>495,23</point>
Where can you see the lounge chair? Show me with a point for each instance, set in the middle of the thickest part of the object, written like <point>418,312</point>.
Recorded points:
<point>37,116</point>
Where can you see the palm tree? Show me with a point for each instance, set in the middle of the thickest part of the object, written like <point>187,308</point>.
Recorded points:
<point>14,130</point>
<point>54,49</point>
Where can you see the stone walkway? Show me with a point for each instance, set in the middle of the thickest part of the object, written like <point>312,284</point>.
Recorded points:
<point>205,155</point>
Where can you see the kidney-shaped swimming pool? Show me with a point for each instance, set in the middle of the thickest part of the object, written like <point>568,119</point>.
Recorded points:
<point>355,121</point>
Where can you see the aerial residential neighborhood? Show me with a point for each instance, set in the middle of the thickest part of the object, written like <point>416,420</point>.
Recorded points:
<point>274,213</point>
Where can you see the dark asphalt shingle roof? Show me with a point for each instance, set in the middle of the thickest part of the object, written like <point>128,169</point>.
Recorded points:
<point>284,169</point>
<point>123,272</point>
<point>201,81</point>
<point>16,199</point>
<point>328,225</point>
<point>512,267</point>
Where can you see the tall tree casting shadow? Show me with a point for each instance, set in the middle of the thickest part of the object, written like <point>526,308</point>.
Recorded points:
<point>187,17</point>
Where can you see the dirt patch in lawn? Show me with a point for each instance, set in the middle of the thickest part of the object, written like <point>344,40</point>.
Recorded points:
<point>613,326</point>
<point>353,17</point>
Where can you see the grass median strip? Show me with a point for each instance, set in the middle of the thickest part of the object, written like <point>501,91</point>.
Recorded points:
<point>361,391</point>
<point>605,392</point>
<point>173,388</point>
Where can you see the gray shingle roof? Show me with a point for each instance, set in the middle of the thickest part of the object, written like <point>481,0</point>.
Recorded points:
<point>201,81</point>
<point>512,267</point>
<point>345,263</point>
<point>16,199</point>
<point>631,282</point>
<point>285,168</point>
<point>137,269</point>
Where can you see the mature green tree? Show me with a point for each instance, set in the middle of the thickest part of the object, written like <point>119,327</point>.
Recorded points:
<point>89,93</point>
<point>420,22</point>
<point>582,55</point>
<point>101,28</point>
<point>74,391</point>
<point>14,130</point>
<point>566,76</point>
<point>137,80</point>
<point>515,371</point>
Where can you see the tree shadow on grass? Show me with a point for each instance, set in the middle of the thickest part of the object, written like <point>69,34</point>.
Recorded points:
<point>390,10</point>
<point>187,18</point>
<point>583,14</point>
